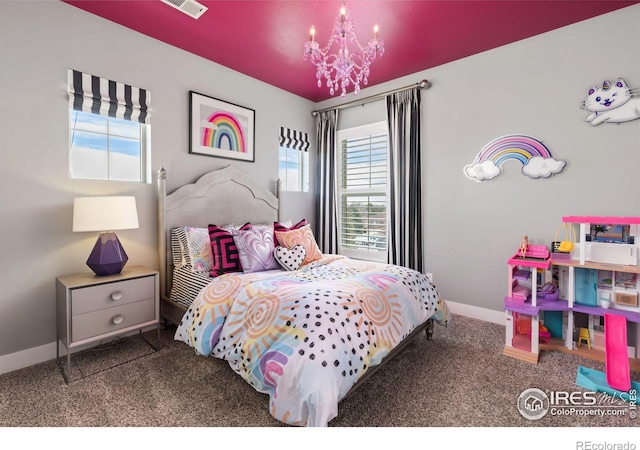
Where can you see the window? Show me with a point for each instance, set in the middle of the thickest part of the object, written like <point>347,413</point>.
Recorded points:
<point>106,148</point>
<point>108,130</point>
<point>363,191</point>
<point>294,169</point>
<point>294,160</point>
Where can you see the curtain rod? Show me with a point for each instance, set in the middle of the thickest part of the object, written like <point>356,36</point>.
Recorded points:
<point>422,84</point>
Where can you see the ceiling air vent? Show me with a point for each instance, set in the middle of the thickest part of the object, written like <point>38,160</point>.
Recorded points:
<point>189,7</point>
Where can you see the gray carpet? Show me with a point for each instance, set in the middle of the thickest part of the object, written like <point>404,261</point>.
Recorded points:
<point>459,379</point>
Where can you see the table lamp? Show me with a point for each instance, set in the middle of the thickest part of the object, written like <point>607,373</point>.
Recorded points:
<point>105,214</point>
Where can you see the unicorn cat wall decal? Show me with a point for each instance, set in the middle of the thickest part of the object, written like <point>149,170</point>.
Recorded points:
<point>612,103</point>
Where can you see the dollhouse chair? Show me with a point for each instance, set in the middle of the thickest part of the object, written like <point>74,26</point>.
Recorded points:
<point>584,336</point>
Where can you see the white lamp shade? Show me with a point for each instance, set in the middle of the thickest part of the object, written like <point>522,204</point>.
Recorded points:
<point>104,213</point>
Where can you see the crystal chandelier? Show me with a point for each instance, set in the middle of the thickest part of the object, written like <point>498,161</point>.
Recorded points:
<point>345,67</point>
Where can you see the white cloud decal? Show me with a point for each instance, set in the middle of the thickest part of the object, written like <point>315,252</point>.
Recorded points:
<point>539,167</point>
<point>484,171</point>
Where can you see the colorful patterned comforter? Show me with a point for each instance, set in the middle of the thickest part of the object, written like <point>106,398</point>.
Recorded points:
<point>305,337</point>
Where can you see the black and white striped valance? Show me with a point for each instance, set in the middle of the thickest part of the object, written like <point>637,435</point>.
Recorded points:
<point>96,95</point>
<point>294,139</point>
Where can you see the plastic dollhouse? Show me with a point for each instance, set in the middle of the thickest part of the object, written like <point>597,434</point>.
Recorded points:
<point>522,303</point>
<point>559,300</point>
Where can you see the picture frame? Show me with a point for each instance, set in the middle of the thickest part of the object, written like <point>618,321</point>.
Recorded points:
<point>220,129</point>
<point>627,298</point>
<point>605,279</point>
<point>626,280</point>
<point>610,233</point>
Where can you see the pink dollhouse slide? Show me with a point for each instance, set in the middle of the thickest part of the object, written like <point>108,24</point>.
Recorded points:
<point>617,358</point>
<point>616,381</point>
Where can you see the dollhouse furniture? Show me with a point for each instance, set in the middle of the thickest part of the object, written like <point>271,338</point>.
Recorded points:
<point>583,337</point>
<point>599,276</point>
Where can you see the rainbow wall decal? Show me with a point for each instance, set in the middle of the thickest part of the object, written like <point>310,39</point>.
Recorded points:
<point>225,132</point>
<point>536,159</point>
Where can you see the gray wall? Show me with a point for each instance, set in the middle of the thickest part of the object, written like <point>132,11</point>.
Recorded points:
<point>532,87</point>
<point>39,41</point>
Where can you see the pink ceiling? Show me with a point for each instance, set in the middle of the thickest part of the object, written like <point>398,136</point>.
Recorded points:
<point>264,39</point>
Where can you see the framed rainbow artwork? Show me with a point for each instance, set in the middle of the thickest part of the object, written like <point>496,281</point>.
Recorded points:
<point>219,128</point>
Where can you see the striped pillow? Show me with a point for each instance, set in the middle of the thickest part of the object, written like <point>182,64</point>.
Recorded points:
<point>178,239</point>
<point>185,285</point>
<point>224,250</point>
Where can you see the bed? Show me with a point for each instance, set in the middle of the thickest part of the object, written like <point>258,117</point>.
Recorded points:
<point>308,329</point>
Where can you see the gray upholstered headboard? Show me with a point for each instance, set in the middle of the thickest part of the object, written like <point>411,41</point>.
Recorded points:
<point>220,197</point>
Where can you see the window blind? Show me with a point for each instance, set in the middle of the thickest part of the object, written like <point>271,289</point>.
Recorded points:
<point>364,162</point>
<point>90,93</point>
<point>363,193</point>
<point>294,139</point>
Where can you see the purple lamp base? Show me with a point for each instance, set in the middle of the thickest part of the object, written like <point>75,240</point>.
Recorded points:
<point>108,256</point>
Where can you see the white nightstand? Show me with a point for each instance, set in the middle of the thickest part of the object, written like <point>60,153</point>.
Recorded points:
<point>93,309</point>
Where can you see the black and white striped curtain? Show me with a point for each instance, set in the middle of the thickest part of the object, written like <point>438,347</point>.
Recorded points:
<point>405,190</point>
<point>294,139</point>
<point>326,227</point>
<point>96,95</point>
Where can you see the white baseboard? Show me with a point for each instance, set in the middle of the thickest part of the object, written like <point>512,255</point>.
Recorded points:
<point>37,355</point>
<point>475,312</point>
<point>47,352</point>
<point>28,357</point>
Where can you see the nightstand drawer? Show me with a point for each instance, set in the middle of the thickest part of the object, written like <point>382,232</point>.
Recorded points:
<point>94,298</point>
<point>112,319</point>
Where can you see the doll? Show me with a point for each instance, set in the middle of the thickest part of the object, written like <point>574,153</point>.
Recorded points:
<point>524,245</point>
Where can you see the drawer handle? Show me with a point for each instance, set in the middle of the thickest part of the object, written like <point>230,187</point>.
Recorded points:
<point>117,295</point>
<point>117,319</point>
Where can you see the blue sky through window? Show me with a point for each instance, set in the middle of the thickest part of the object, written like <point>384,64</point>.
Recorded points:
<point>106,148</point>
<point>90,131</point>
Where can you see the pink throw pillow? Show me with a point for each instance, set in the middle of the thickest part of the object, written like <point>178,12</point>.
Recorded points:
<point>224,250</point>
<point>302,236</point>
<point>277,226</point>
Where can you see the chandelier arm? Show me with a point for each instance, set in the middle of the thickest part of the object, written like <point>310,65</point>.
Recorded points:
<point>423,84</point>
